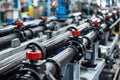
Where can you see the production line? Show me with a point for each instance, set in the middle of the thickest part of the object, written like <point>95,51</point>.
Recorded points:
<point>59,40</point>
<point>60,43</point>
<point>48,43</point>
<point>50,69</point>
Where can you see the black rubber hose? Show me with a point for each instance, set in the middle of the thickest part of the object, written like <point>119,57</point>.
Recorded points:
<point>10,29</point>
<point>28,33</point>
<point>6,30</point>
<point>7,39</point>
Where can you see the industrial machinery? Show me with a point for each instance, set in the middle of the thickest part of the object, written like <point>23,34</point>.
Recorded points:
<point>14,54</point>
<point>58,41</point>
<point>55,58</point>
<point>77,47</point>
<point>27,30</point>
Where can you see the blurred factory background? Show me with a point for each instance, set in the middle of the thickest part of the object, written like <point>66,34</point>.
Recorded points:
<point>29,9</point>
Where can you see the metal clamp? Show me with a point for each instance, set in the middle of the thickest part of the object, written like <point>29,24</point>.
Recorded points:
<point>78,46</point>
<point>21,34</point>
<point>33,75</point>
<point>89,41</point>
<point>31,33</point>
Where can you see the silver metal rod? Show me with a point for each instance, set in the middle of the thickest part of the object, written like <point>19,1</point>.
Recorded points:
<point>112,46</point>
<point>113,25</point>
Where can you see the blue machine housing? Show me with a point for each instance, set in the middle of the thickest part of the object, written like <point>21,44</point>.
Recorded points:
<point>62,10</point>
<point>11,21</point>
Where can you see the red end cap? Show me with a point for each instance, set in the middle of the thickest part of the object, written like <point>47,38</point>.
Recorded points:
<point>113,13</point>
<point>44,19</point>
<point>96,22</point>
<point>76,33</point>
<point>19,24</point>
<point>37,55</point>
<point>107,17</point>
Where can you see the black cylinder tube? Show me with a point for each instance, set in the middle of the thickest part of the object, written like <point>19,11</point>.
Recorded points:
<point>62,58</point>
<point>5,40</point>
<point>6,30</point>
<point>10,29</point>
